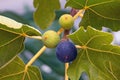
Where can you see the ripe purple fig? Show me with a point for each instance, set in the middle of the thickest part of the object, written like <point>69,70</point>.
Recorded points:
<point>66,51</point>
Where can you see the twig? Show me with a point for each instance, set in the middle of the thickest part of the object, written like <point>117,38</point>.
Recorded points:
<point>36,56</point>
<point>35,37</point>
<point>79,14</point>
<point>66,67</point>
<point>77,46</point>
<point>60,31</point>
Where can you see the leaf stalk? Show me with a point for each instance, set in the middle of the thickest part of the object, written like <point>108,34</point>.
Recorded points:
<point>66,68</point>
<point>35,37</point>
<point>79,14</point>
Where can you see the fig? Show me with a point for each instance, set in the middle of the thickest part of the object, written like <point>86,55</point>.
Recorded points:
<point>66,51</point>
<point>50,39</point>
<point>66,21</point>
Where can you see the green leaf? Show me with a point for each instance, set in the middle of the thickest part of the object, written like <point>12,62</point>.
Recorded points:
<point>12,36</point>
<point>15,70</point>
<point>99,13</point>
<point>36,3</point>
<point>97,57</point>
<point>45,12</point>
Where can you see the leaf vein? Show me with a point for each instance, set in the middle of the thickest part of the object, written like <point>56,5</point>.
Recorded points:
<point>86,2</point>
<point>34,74</point>
<point>7,63</point>
<point>105,17</point>
<point>10,31</point>
<point>111,72</point>
<point>11,75</point>
<point>79,40</point>
<point>19,64</point>
<point>28,75</point>
<point>93,38</point>
<point>77,3</point>
<point>98,50</point>
<point>24,74</point>
<point>10,41</point>
<point>93,63</point>
<point>105,2</point>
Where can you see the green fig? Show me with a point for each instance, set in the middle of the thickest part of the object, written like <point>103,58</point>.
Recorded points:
<point>50,39</point>
<point>66,21</point>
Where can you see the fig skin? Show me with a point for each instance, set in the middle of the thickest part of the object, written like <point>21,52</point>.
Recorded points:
<point>66,21</point>
<point>50,39</point>
<point>66,51</point>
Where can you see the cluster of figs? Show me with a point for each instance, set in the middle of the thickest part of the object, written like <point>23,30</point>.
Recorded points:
<point>65,50</point>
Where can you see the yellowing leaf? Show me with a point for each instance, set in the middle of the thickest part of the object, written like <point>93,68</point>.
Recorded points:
<point>9,22</point>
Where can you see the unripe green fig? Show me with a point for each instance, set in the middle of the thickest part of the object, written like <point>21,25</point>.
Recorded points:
<point>66,21</point>
<point>50,39</point>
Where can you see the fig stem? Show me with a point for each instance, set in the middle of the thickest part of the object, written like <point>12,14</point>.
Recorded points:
<point>35,37</point>
<point>77,46</point>
<point>36,56</point>
<point>60,31</point>
<point>66,67</point>
<point>78,14</point>
<point>66,32</point>
<point>81,47</point>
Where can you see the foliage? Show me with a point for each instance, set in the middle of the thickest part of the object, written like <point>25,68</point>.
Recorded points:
<point>98,13</point>
<point>93,57</point>
<point>44,14</point>
<point>97,57</point>
<point>19,72</point>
